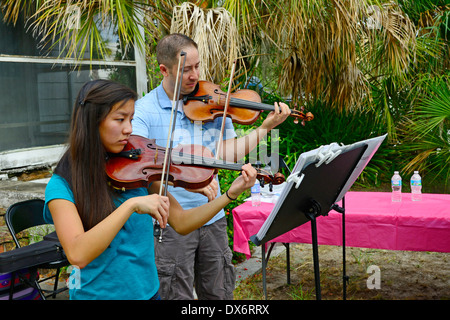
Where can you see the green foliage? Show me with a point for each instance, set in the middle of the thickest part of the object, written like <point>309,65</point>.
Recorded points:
<point>226,178</point>
<point>331,126</point>
<point>426,130</point>
<point>154,74</point>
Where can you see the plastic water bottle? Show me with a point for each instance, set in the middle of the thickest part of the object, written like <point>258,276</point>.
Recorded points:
<point>256,194</point>
<point>416,187</point>
<point>396,183</point>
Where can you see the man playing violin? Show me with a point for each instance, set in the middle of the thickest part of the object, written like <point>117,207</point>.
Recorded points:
<point>203,256</point>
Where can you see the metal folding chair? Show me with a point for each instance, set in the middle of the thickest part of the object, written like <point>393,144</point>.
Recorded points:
<point>26,214</point>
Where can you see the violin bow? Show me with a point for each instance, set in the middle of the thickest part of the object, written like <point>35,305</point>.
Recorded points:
<point>227,102</point>
<point>169,145</point>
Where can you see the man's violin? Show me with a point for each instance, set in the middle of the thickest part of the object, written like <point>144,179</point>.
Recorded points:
<point>207,102</point>
<point>191,166</point>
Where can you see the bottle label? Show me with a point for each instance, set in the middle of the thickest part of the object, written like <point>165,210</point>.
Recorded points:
<point>397,183</point>
<point>255,188</point>
<point>416,183</point>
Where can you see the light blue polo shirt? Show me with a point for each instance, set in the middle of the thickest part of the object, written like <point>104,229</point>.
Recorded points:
<point>126,270</point>
<point>152,120</point>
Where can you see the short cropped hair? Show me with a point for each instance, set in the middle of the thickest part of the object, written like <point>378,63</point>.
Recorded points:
<point>169,48</point>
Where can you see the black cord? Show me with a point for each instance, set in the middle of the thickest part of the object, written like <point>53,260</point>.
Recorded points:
<point>226,192</point>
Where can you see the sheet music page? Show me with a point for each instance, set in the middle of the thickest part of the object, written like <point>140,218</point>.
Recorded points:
<point>372,147</point>
<point>305,159</point>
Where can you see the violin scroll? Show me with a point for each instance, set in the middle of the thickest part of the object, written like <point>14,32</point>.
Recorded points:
<point>266,177</point>
<point>278,178</point>
<point>308,116</point>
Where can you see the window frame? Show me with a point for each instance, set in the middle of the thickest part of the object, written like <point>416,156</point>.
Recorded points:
<point>45,156</point>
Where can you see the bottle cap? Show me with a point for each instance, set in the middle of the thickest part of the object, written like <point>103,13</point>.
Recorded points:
<point>416,171</point>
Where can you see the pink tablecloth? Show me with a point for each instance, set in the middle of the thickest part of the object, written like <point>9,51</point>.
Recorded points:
<point>371,221</point>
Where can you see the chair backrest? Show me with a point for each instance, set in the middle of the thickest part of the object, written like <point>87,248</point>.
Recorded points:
<point>23,215</point>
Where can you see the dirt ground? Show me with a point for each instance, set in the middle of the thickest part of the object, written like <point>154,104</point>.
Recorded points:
<point>401,275</point>
<point>373,275</point>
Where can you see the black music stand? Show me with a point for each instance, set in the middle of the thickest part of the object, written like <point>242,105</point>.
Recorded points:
<point>319,181</point>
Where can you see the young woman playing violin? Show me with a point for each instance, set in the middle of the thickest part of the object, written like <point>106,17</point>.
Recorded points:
<point>107,233</point>
<point>203,255</point>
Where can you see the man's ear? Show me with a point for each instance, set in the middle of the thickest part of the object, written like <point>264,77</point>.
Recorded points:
<point>164,70</point>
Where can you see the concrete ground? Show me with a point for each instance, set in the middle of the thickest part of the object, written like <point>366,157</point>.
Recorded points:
<point>48,285</point>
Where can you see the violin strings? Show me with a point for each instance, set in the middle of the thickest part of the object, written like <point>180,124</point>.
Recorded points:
<point>202,161</point>
<point>219,164</point>
<point>251,104</point>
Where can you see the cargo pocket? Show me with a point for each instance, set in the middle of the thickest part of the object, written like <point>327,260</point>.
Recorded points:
<point>229,275</point>
<point>167,279</point>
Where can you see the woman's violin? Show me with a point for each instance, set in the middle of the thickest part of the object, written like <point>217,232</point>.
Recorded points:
<point>191,166</point>
<point>207,102</point>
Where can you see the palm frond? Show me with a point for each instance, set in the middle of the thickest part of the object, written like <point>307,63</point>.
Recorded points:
<point>426,133</point>
<point>12,9</point>
<point>216,34</point>
<point>318,45</point>
<point>74,26</point>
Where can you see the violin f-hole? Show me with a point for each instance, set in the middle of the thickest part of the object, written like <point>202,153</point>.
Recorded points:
<point>214,110</point>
